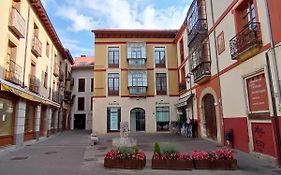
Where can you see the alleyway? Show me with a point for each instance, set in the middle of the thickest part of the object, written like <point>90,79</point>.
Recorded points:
<point>69,153</point>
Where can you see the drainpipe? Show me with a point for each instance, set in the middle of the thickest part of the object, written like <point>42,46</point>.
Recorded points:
<point>218,70</point>
<point>26,45</point>
<point>276,75</point>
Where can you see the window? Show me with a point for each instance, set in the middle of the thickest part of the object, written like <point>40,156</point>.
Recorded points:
<point>81,104</point>
<point>137,82</point>
<point>29,118</point>
<point>161,84</point>
<point>162,118</point>
<point>113,119</point>
<point>248,14</point>
<point>81,85</point>
<point>113,84</point>
<point>136,54</point>
<point>181,51</point>
<point>160,60</point>
<point>45,79</point>
<point>113,57</point>
<point>92,84</point>
<point>91,103</point>
<point>35,30</point>
<point>6,119</point>
<point>47,49</point>
<point>13,70</point>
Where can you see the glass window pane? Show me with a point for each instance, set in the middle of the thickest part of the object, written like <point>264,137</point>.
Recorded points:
<point>6,117</point>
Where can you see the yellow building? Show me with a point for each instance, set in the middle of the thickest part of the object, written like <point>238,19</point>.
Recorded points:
<point>135,80</point>
<point>34,74</point>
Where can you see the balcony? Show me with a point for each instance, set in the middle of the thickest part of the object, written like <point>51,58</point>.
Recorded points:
<point>17,23</point>
<point>68,76</point>
<point>202,72</point>
<point>56,70</point>
<point>61,76</point>
<point>36,47</point>
<point>67,96</point>
<point>182,87</point>
<point>136,62</point>
<point>138,91</point>
<point>13,72</point>
<point>198,32</point>
<point>34,84</point>
<point>55,96</point>
<point>246,43</point>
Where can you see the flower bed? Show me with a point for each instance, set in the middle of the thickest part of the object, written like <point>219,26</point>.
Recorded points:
<point>170,159</point>
<point>125,158</point>
<point>218,159</point>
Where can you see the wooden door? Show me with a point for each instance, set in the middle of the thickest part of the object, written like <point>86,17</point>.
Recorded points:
<point>210,116</point>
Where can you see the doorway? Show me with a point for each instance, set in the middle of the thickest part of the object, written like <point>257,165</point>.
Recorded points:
<point>210,116</point>
<point>79,121</point>
<point>137,120</point>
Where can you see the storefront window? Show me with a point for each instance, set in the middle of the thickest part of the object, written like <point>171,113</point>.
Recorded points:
<point>29,118</point>
<point>6,117</point>
<point>162,118</point>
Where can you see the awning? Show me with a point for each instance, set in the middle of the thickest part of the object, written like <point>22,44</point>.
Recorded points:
<point>184,100</point>
<point>17,92</point>
<point>23,93</point>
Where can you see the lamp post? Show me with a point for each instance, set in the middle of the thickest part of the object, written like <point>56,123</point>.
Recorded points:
<point>189,78</point>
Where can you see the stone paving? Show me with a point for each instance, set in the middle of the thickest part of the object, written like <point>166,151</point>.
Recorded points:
<point>69,153</point>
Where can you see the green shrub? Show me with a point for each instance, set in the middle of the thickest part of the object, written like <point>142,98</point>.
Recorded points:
<point>170,151</point>
<point>157,148</point>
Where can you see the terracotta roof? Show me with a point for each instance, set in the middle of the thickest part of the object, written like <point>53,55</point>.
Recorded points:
<point>45,20</point>
<point>83,61</point>
<point>134,33</point>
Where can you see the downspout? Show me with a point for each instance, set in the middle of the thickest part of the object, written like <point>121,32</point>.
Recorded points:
<point>51,72</point>
<point>276,74</point>
<point>218,72</point>
<point>26,45</point>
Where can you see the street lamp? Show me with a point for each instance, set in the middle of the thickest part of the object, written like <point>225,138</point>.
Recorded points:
<point>188,77</point>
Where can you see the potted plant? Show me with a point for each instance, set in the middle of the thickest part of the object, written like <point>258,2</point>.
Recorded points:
<point>218,159</point>
<point>125,158</point>
<point>170,159</point>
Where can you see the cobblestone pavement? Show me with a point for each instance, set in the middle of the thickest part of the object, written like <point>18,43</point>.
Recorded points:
<point>70,154</point>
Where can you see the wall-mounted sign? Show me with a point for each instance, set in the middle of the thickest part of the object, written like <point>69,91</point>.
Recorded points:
<point>257,93</point>
<point>221,43</point>
<point>113,103</point>
<point>162,103</point>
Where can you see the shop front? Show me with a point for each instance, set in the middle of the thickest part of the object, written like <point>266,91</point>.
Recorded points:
<point>29,124</point>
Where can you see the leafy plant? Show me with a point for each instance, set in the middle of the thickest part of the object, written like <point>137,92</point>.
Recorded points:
<point>157,149</point>
<point>170,151</point>
<point>131,153</point>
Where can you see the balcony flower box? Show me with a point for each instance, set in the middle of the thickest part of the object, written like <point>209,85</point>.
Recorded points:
<point>125,158</point>
<point>215,160</point>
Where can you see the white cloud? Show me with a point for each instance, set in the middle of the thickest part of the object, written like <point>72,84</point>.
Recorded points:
<point>89,14</point>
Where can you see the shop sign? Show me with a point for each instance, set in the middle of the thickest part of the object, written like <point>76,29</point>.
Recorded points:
<point>162,103</point>
<point>257,93</point>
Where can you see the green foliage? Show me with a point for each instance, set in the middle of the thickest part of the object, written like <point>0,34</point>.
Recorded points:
<point>170,150</point>
<point>127,150</point>
<point>180,120</point>
<point>157,148</point>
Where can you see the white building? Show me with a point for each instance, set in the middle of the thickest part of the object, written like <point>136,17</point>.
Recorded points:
<point>82,91</point>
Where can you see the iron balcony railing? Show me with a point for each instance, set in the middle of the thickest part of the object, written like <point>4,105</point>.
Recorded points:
<point>34,84</point>
<point>13,72</point>
<point>248,38</point>
<point>17,23</point>
<point>36,46</point>
<point>138,90</point>
<point>56,70</point>
<point>203,70</point>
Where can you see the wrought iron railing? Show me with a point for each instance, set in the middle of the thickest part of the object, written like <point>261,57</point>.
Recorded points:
<point>198,32</point>
<point>202,70</point>
<point>13,72</point>
<point>248,38</point>
<point>17,23</point>
<point>34,84</point>
<point>36,46</point>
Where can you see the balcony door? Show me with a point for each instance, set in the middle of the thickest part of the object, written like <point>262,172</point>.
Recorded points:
<point>137,120</point>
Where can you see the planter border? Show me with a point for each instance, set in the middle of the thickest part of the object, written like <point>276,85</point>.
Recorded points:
<point>172,164</point>
<point>216,164</point>
<point>124,163</point>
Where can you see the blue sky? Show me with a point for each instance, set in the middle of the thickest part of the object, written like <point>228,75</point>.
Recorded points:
<point>74,19</point>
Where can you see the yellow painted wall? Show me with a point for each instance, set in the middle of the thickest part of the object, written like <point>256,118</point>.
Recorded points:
<point>100,83</point>
<point>173,82</point>
<point>124,83</point>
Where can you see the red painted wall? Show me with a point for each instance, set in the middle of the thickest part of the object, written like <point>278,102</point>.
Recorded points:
<point>275,15</point>
<point>240,132</point>
<point>263,138</point>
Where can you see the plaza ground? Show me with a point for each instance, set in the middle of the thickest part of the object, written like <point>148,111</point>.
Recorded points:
<point>69,153</point>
